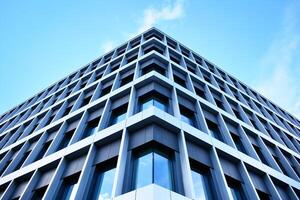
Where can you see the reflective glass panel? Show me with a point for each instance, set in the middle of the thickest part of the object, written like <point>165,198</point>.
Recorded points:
<point>236,194</point>
<point>104,185</point>
<point>70,191</point>
<point>119,118</point>
<point>162,174</point>
<point>187,120</point>
<point>153,102</point>
<point>153,168</point>
<point>160,105</point>
<point>147,104</point>
<point>201,186</point>
<point>144,170</point>
<point>91,131</point>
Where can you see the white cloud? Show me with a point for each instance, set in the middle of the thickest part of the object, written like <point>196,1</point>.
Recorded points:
<point>108,46</point>
<point>153,16</point>
<point>281,64</point>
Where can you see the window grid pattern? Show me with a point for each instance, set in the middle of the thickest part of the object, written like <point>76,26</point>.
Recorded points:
<point>61,113</point>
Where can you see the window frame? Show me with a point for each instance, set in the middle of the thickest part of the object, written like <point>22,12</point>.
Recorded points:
<point>153,150</point>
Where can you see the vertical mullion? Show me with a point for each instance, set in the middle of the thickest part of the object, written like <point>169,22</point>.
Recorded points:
<point>153,166</point>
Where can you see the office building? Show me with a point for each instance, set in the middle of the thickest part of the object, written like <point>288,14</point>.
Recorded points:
<point>151,119</point>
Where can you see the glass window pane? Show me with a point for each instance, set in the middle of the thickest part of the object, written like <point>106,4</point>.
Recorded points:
<point>72,190</point>
<point>91,131</point>
<point>143,173</point>
<point>187,120</point>
<point>147,104</point>
<point>201,186</point>
<point>69,192</point>
<point>119,118</point>
<point>105,184</point>
<point>235,193</point>
<point>162,172</point>
<point>160,105</point>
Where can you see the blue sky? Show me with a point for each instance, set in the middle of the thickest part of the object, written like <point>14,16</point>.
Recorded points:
<point>256,41</point>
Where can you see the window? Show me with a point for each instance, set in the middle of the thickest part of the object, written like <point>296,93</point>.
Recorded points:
<point>126,80</point>
<point>121,50</point>
<point>135,42</point>
<point>237,114</point>
<point>235,110</point>
<point>206,75</point>
<point>153,166</point>
<point>116,65</point>
<point>187,115</point>
<point>260,155</point>
<point>191,66</point>
<point>214,129</point>
<point>253,123</point>
<point>154,34</point>
<point>218,99</point>
<point>171,43</point>
<point>219,103</point>
<point>99,73</point>
<point>175,58</point>
<point>83,84</point>
<point>50,119</point>
<point>6,163</point>
<point>102,184</point>
<point>19,187</point>
<point>39,193</point>
<point>95,64</point>
<point>68,187</point>
<point>153,48</point>
<point>106,90</point>
<point>200,92</point>
<point>21,162</point>
<point>238,143</point>
<point>118,114</point>
<point>66,139</point>
<point>86,100</point>
<point>262,195</point>
<point>154,99</point>
<point>69,92</point>
<point>202,184</point>
<point>68,110</point>
<point>280,165</point>
<point>235,189</point>
<point>184,51</point>
<point>91,127</point>
<point>154,67</point>
<point>210,67</point>
<point>132,57</point>
<point>5,166</point>
<point>107,57</point>
<point>3,187</point>
<point>43,150</point>
<point>179,81</point>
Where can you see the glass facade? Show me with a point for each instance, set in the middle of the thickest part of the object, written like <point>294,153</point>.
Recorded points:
<point>91,129</point>
<point>118,115</point>
<point>153,167</point>
<point>187,115</point>
<point>235,189</point>
<point>153,102</point>
<point>102,188</point>
<point>68,189</point>
<point>201,184</point>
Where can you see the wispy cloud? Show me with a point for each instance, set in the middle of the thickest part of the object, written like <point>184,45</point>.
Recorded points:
<point>108,46</point>
<point>152,16</point>
<point>281,65</point>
